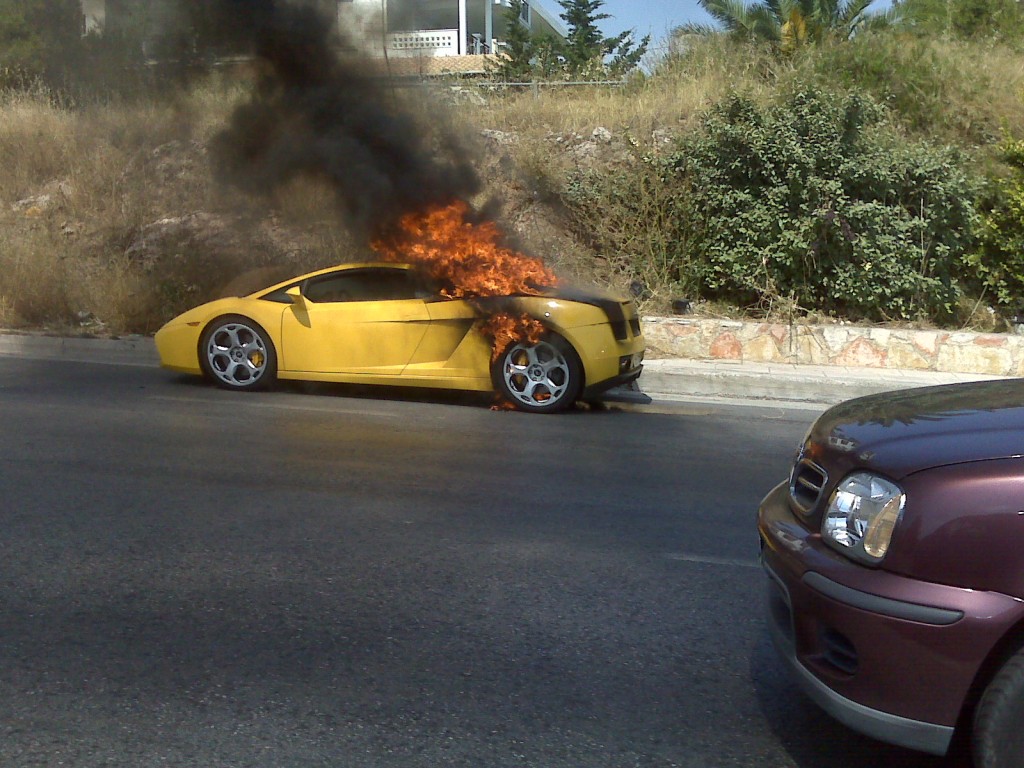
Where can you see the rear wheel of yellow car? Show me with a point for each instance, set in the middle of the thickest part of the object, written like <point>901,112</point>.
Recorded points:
<point>545,377</point>
<point>236,353</point>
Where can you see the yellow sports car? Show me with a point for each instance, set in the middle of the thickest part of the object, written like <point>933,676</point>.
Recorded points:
<point>383,324</point>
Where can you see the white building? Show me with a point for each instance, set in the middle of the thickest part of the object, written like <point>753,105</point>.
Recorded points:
<point>408,28</point>
<point>94,14</point>
<point>433,28</point>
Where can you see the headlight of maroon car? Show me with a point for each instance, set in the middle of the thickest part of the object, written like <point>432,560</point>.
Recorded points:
<point>861,516</point>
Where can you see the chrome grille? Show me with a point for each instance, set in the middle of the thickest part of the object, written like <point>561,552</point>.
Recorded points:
<point>806,484</point>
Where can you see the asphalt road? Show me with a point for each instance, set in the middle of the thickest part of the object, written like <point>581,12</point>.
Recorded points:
<point>190,577</point>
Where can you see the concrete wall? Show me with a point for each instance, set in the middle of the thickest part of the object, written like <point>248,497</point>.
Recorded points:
<point>998,354</point>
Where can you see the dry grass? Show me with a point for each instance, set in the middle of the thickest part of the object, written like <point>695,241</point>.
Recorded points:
<point>34,281</point>
<point>84,185</point>
<point>84,190</point>
<point>670,99</point>
<point>948,91</point>
<point>36,141</point>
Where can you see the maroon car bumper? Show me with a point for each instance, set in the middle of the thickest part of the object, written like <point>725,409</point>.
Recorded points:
<point>889,656</point>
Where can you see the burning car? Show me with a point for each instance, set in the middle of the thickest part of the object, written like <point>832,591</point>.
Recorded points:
<point>896,567</point>
<point>446,301</point>
<point>391,324</point>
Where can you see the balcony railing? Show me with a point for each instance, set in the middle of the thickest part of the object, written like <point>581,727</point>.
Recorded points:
<point>427,42</point>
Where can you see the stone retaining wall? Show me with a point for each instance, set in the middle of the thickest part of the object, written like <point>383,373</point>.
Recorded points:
<point>998,354</point>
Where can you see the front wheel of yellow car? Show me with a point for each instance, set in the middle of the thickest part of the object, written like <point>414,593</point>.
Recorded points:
<point>236,353</point>
<point>545,377</point>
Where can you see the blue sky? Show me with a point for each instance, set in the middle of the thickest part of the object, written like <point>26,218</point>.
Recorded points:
<point>655,17</point>
<point>648,17</point>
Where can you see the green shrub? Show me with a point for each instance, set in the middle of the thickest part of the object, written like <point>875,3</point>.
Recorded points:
<point>631,217</point>
<point>999,258</point>
<point>999,19</point>
<point>817,202</point>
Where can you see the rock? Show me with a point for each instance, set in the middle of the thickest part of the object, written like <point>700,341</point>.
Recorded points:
<point>726,347</point>
<point>502,138</point>
<point>177,159</point>
<point>662,136</point>
<point>565,139</point>
<point>33,206</point>
<point>180,236</point>
<point>52,195</point>
<point>586,150</point>
<point>87,319</point>
<point>458,95</point>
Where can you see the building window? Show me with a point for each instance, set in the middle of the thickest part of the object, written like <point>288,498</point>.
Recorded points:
<point>524,13</point>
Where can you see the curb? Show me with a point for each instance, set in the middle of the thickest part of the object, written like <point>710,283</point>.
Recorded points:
<point>662,379</point>
<point>781,382</point>
<point>127,350</point>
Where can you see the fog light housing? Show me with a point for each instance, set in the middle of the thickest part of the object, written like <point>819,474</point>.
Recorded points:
<point>629,363</point>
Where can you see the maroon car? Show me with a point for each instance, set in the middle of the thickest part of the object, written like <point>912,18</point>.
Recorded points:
<point>895,556</point>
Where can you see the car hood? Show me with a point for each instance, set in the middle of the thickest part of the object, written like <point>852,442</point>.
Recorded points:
<point>567,292</point>
<point>899,433</point>
<point>584,294</point>
<point>206,311</point>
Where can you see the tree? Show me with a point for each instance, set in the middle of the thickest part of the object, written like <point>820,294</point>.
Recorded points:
<point>586,48</point>
<point>549,60</point>
<point>39,38</point>
<point>787,23</point>
<point>961,18</point>
<point>516,61</point>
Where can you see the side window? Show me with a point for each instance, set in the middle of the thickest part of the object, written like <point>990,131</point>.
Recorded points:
<point>280,295</point>
<point>330,288</point>
<point>362,285</point>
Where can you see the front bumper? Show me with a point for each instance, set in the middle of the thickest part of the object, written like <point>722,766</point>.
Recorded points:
<point>621,380</point>
<point>177,345</point>
<point>607,361</point>
<point>894,668</point>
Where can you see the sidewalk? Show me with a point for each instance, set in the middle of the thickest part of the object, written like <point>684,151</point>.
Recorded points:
<point>673,379</point>
<point>781,382</point>
<point>128,350</point>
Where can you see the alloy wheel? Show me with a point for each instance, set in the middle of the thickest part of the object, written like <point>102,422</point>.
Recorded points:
<point>237,355</point>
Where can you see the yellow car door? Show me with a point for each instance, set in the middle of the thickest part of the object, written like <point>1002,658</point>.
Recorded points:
<point>453,348</point>
<point>355,321</point>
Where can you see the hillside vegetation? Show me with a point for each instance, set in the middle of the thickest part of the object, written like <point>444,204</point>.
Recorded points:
<point>878,179</point>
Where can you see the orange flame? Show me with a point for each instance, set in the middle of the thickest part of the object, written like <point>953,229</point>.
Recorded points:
<point>501,404</point>
<point>465,256</point>
<point>467,259</point>
<point>506,329</point>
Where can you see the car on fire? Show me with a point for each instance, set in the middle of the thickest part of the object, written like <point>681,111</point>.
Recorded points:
<point>895,557</point>
<point>385,324</point>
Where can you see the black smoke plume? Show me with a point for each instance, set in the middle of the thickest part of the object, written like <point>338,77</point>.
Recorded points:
<point>318,114</point>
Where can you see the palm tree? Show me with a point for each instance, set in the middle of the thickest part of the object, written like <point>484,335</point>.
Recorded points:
<point>788,23</point>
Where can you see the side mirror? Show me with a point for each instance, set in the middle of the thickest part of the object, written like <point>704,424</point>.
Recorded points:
<point>295,294</point>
